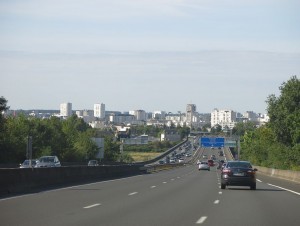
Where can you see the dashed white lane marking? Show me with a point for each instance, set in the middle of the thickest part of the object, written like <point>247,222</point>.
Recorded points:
<point>153,186</point>
<point>133,193</point>
<point>164,182</point>
<point>91,206</point>
<point>220,193</point>
<point>172,179</point>
<point>201,220</point>
<point>297,193</point>
<point>259,180</point>
<point>217,202</point>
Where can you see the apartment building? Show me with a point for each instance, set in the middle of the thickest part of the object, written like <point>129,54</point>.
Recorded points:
<point>99,111</point>
<point>66,109</point>
<point>140,115</point>
<point>224,118</point>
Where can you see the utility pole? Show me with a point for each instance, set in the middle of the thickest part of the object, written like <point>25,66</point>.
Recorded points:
<point>29,150</point>
<point>239,147</point>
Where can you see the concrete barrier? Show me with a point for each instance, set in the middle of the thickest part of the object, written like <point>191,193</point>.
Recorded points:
<point>28,180</point>
<point>283,174</point>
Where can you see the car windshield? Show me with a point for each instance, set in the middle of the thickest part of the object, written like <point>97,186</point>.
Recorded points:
<point>47,159</point>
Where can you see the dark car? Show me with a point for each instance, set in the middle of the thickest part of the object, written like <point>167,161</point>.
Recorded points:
<point>238,173</point>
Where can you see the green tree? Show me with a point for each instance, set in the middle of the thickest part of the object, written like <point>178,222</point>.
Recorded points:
<point>111,149</point>
<point>284,112</point>
<point>242,127</point>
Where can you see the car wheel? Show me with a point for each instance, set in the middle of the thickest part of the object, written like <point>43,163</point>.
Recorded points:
<point>208,169</point>
<point>253,187</point>
<point>223,186</point>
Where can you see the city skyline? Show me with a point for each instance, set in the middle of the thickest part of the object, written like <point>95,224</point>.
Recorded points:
<point>150,54</point>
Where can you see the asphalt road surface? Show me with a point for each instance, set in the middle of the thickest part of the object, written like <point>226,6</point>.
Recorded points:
<point>181,196</point>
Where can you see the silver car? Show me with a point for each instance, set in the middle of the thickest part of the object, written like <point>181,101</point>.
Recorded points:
<point>48,161</point>
<point>204,166</point>
<point>26,164</point>
<point>93,163</point>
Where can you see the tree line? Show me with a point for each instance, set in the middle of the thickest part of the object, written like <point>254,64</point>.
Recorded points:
<point>277,144</point>
<point>69,139</point>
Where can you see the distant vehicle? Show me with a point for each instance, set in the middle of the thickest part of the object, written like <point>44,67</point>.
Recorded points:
<point>204,156</point>
<point>48,161</point>
<point>180,160</point>
<point>93,163</point>
<point>25,164</point>
<point>210,162</point>
<point>203,166</point>
<point>172,160</point>
<point>167,159</point>
<point>238,173</point>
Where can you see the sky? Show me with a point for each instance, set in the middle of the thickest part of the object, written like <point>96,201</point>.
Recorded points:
<point>147,54</point>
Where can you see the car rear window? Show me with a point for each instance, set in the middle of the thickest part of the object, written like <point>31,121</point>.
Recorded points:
<point>239,165</point>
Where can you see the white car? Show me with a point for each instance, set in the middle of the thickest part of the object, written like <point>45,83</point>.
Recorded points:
<point>93,163</point>
<point>48,161</point>
<point>203,166</point>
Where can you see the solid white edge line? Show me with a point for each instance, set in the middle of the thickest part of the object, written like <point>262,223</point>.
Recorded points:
<point>91,206</point>
<point>201,220</point>
<point>297,193</point>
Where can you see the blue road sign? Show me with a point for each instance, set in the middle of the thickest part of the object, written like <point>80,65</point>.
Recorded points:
<point>212,141</point>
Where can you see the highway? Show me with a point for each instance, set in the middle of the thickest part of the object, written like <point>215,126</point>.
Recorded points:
<point>181,196</point>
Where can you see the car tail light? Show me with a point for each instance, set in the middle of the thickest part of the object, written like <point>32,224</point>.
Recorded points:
<point>252,172</point>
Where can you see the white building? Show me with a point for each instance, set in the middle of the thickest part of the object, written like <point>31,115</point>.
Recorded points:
<point>140,115</point>
<point>159,115</point>
<point>224,118</point>
<point>66,109</point>
<point>191,115</point>
<point>99,111</point>
<point>263,119</point>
